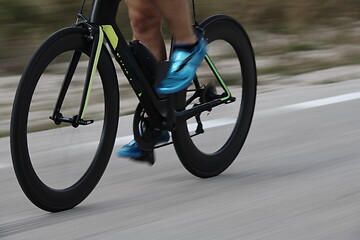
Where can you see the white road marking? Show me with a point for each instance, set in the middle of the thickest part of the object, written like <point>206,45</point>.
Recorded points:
<point>213,123</point>
<point>324,101</point>
<point>4,165</point>
<point>309,104</point>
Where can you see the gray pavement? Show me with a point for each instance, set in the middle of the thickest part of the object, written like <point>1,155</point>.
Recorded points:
<point>296,178</point>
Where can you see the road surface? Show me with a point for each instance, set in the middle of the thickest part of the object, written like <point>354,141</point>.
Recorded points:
<point>297,177</point>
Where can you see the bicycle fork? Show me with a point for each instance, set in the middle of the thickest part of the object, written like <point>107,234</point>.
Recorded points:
<point>57,117</point>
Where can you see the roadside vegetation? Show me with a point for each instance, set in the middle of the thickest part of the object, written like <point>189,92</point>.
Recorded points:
<point>298,24</point>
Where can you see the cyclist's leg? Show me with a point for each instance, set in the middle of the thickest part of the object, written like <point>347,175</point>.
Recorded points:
<point>177,15</point>
<point>145,21</point>
<point>189,50</point>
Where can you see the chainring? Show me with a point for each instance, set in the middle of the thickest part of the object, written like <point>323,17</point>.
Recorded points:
<point>144,133</point>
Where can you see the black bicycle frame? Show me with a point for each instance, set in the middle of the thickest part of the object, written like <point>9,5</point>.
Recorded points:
<point>104,13</point>
<point>160,110</point>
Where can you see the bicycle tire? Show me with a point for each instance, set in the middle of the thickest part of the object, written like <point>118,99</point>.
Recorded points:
<point>38,191</point>
<point>221,29</point>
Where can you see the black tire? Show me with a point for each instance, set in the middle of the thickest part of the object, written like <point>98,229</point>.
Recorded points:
<point>198,156</point>
<point>30,158</point>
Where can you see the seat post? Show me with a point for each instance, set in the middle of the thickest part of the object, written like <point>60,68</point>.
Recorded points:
<point>103,12</point>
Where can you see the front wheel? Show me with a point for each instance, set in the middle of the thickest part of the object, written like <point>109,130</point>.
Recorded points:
<point>57,164</point>
<point>209,143</point>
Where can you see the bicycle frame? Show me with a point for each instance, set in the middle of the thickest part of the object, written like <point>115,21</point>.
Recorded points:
<point>160,110</point>
<point>103,14</point>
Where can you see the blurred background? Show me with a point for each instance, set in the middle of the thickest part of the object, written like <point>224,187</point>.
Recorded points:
<point>298,176</point>
<point>298,24</point>
<point>289,37</point>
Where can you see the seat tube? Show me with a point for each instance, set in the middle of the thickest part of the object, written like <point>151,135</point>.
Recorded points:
<point>104,12</point>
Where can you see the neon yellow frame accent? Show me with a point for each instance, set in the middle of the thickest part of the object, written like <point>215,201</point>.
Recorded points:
<point>111,35</point>
<point>217,74</point>
<point>96,60</point>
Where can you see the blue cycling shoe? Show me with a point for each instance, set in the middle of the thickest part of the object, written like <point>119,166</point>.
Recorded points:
<point>183,66</point>
<point>133,150</point>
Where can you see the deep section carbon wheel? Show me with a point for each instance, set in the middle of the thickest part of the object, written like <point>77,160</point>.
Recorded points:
<point>58,163</point>
<point>208,143</point>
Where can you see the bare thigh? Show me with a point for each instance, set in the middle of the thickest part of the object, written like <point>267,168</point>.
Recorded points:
<point>145,19</point>
<point>143,15</point>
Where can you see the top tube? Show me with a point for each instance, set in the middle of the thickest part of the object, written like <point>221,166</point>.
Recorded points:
<point>104,12</point>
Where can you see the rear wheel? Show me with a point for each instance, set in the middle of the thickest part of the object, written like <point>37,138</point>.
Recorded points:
<point>58,166</point>
<point>221,132</point>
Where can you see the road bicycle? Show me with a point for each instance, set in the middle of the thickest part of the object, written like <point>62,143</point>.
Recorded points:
<point>66,109</point>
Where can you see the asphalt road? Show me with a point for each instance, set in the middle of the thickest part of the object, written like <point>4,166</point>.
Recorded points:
<point>297,177</point>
